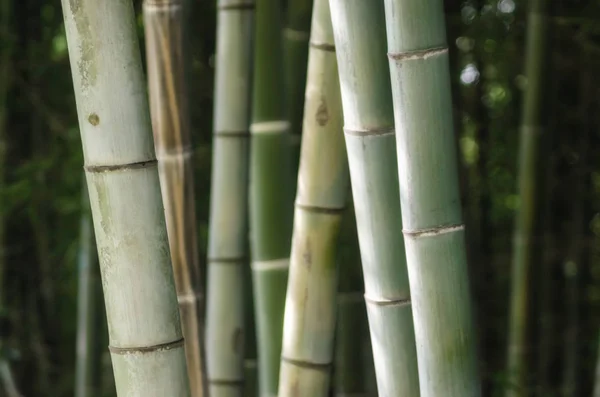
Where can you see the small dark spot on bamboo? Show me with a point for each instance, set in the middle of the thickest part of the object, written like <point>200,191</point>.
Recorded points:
<point>322,113</point>
<point>307,255</point>
<point>94,119</point>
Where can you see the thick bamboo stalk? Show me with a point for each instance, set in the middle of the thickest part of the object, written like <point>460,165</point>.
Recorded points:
<point>296,35</point>
<point>146,342</point>
<point>430,199</point>
<point>87,366</point>
<point>531,159</point>
<point>270,192</point>
<point>169,109</point>
<point>310,308</point>
<point>226,332</point>
<point>359,28</point>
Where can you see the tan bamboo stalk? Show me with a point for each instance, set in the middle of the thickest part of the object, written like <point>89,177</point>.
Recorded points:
<point>169,109</point>
<point>146,342</point>
<point>310,308</point>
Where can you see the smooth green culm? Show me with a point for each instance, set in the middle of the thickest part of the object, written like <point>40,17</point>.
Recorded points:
<point>146,342</point>
<point>295,50</point>
<point>87,354</point>
<point>359,28</point>
<point>527,223</point>
<point>169,110</point>
<point>310,308</point>
<point>270,192</point>
<point>430,201</point>
<point>354,373</point>
<point>226,333</point>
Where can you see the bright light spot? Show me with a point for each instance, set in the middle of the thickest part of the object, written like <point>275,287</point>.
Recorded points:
<point>469,74</point>
<point>506,6</point>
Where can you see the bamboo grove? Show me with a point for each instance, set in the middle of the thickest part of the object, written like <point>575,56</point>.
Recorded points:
<point>318,217</point>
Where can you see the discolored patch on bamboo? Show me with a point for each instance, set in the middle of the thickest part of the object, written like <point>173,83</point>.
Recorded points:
<point>87,62</point>
<point>238,340</point>
<point>322,116</point>
<point>94,119</point>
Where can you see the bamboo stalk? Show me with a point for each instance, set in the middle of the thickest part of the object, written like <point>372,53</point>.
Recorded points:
<point>310,308</point>
<point>295,41</point>
<point>87,367</point>
<point>169,109</point>
<point>146,342</point>
<point>359,29</point>
<point>226,329</point>
<point>531,159</point>
<point>597,375</point>
<point>270,192</point>
<point>430,199</point>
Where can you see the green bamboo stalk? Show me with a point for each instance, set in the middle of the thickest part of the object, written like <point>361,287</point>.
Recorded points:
<point>296,35</point>
<point>359,29</point>
<point>146,343</point>
<point>310,308</point>
<point>87,366</point>
<point>169,109</point>
<point>533,126</point>
<point>430,199</point>
<point>354,373</point>
<point>270,192</point>
<point>226,332</point>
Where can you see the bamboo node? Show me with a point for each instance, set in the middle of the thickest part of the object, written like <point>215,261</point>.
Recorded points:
<point>320,210</point>
<point>270,127</point>
<point>307,364</point>
<point>433,231</point>
<point>162,5</point>
<point>226,382</point>
<point>322,46</point>
<point>121,167</point>
<point>418,54</point>
<point>275,264</point>
<point>370,131</point>
<point>388,302</point>
<point>190,298</point>
<point>146,349</point>
<point>231,134</point>
<point>183,154</point>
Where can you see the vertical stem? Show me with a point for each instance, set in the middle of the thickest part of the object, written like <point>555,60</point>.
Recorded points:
<point>227,333</point>
<point>169,109</point>
<point>310,308</point>
<point>146,343</point>
<point>295,45</point>
<point>359,30</point>
<point>531,162</point>
<point>87,368</point>
<point>270,189</point>
<point>430,200</point>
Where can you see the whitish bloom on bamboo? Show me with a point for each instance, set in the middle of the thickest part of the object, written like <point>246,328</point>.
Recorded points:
<point>359,29</point>
<point>429,196</point>
<point>146,342</point>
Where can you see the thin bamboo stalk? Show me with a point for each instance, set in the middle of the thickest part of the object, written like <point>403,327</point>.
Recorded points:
<point>310,308</point>
<point>87,366</point>
<point>146,342</point>
<point>270,192</point>
<point>597,377</point>
<point>430,199</point>
<point>226,332</point>
<point>8,381</point>
<point>531,159</point>
<point>169,109</point>
<point>296,35</point>
<point>359,29</point>
<point>354,373</point>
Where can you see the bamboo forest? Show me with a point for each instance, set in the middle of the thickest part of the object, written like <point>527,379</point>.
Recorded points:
<point>299,198</point>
